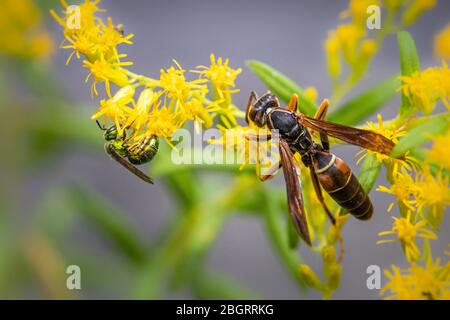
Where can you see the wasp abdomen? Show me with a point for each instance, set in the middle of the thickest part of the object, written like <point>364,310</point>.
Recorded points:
<point>341,184</point>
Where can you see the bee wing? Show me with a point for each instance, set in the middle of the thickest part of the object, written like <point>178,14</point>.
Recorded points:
<point>113,153</point>
<point>362,138</point>
<point>294,191</point>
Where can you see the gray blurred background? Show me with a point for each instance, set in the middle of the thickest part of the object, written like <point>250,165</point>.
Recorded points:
<point>288,35</point>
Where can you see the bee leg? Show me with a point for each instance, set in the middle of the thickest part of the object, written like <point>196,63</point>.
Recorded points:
<point>319,194</point>
<point>253,97</point>
<point>293,103</point>
<point>320,115</point>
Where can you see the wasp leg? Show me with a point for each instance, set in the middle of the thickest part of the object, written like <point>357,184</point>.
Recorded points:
<point>270,172</point>
<point>293,103</point>
<point>320,115</point>
<point>253,97</point>
<point>319,194</point>
<point>257,137</point>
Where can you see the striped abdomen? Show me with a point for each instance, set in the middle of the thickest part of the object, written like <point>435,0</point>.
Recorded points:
<point>342,185</point>
<point>143,151</point>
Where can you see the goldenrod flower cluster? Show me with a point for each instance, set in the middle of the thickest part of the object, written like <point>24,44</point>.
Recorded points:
<point>430,282</point>
<point>425,88</point>
<point>422,193</point>
<point>145,106</point>
<point>350,42</point>
<point>355,45</point>
<point>22,32</point>
<point>420,187</point>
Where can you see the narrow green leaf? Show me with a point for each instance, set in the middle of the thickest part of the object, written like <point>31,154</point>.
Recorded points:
<point>409,63</point>
<point>209,285</point>
<point>363,106</point>
<point>368,174</point>
<point>294,239</point>
<point>422,133</point>
<point>282,86</point>
<point>108,220</point>
<point>370,170</point>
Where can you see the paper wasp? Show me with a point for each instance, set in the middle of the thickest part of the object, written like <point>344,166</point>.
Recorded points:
<point>327,171</point>
<point>130,154</point>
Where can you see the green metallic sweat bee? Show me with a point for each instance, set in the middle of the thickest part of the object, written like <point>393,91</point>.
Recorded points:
<point>130,154</point>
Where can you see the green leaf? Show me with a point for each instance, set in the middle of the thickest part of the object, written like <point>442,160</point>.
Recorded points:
<point>369,172</point>
<point>294,239</point>
<point>409,63</point>
<point>363,106</point>
<point>422,133</point>
<point>108,220</point>
<point>282,86</point>
<point>218,286</point>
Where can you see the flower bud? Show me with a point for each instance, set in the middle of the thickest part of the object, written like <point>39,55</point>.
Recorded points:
<point>334,276</point>
<point>123,96</point>
<point>310,277</point>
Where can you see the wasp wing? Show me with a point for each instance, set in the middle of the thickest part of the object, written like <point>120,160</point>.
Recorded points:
<point>294,192</point>
<point>113,153</point>
<point>363,138</point>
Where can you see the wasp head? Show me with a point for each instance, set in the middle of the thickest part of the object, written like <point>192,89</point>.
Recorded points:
<point>259,110</point>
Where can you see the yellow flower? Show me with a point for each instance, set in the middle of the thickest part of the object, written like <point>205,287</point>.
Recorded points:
<point>92,38</point>
<point>196,111</point>
<point>311,93</point>
<point>220,74</point>
<point>22,32</point>
<point>425,88</point>
<point>349,36</point>
<point>430,282</point>
<point>138,116</point>
<point>332,47</point>
<point>432,193</point>
<point>163,121</point>
<point>87,11</point>
<point>403,188</point>
<point>116,108</point>
<point>440,152</point>
<point>110,37</point>
<point>392,134</point>
<point>82,44</point>
<point>175,86</point>
<point>407,233</point>
<point>442,43</point>
<point>104,71</point>
<point>368,48</point>
<point>310,277</point>
<point>416,9</point>
<point>358,11</point>
<point>261,153</point>
<point>394,5</point>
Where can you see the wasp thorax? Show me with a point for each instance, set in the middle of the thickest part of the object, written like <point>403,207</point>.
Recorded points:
<point>258,112</point>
